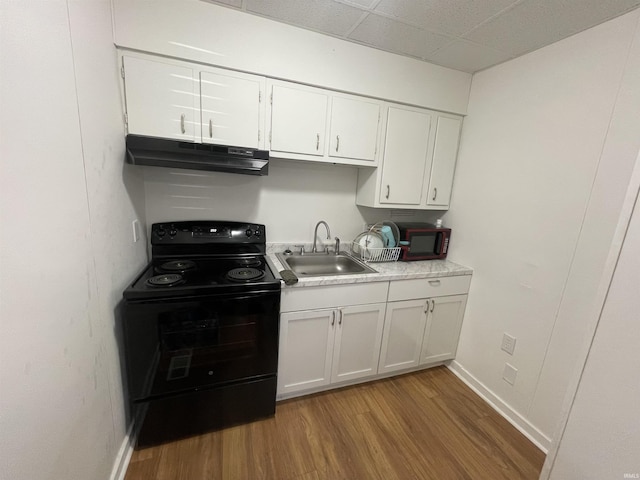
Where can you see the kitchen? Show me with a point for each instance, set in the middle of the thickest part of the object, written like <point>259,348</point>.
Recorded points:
<point>529,137</point>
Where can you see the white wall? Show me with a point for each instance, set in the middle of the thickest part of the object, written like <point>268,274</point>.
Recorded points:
<point>602,436</point>
<point>66,249</point>
<point>203,32</point>
<point>531,148</point>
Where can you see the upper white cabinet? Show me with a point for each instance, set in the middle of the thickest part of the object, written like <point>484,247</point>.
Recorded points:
<point>354,128</point>
<point>173,99</point>
<point>419,150</point>
<point>307,123</point>
<point>298,119</point>
<point>230,108</point>
<point>405,156</point>
<point>161,99</point>
<point>445,152</point>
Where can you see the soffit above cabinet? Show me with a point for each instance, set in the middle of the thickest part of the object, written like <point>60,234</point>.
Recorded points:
<point>466,35</point>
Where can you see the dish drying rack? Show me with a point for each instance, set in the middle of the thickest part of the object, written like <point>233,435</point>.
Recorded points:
<point>376,254</point>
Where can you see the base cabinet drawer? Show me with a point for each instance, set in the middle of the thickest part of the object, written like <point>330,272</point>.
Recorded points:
<point>428,287</point>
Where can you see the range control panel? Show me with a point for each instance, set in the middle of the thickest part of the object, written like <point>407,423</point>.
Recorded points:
<point>197,232</point>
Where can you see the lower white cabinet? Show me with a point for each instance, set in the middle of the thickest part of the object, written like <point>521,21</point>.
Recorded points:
<point>403,332</point>
<point>419,332</point>
<point>423,321</point>
<point>442,331</point>
<point>340,334</point>
<point>320,347</point>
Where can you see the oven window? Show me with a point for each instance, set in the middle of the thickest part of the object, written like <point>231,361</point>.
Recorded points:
<point>182,345</point>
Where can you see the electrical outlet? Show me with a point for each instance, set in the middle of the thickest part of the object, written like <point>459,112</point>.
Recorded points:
<point>509,374</point>
<point>135,225</point>
<point>508,343</point>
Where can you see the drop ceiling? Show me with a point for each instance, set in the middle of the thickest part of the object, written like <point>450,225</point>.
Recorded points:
<point>467,35</point>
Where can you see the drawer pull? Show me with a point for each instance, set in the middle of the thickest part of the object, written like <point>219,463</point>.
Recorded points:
<point>435,283</point>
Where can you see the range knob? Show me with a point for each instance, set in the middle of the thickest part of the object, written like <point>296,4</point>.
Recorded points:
<point>248,232</point>
<point>161,232</point>
<point>258,233</point>
<point>173,232</point>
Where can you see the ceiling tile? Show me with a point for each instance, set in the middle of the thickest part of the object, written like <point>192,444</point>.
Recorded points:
<point>397,37</point>
<point>535,23</point>
<point>467,56</point>
<point>322,15</point>
<point>447,16</point>
<point>572,16</point>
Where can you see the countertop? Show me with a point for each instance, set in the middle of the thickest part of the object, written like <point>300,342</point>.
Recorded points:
<point>385,271</point>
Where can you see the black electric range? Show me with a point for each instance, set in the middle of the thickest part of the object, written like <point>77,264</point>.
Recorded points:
<point>201,330</point>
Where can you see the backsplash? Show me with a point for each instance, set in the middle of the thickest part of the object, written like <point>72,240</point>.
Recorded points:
<point>289,201</point>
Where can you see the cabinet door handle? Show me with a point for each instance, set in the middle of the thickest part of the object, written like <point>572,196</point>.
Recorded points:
<point>433,305</point>
<point>317,141</point>
<point>333,318</point>
<point>337,142</point>
<point>435,192</point>
<point>182,129</point>
<point>210,128</point>
<point>340,321</point>
<point>388,191</point>
<point>426,306</point>
<point>434,282</point>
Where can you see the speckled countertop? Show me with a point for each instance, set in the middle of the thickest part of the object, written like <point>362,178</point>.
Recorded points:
<point>385,271</point>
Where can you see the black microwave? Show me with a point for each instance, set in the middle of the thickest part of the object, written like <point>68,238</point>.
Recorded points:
<point>423,241</point>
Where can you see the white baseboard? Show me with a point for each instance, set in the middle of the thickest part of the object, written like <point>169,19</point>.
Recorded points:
<point>514,418</point>
<point>124,456</point>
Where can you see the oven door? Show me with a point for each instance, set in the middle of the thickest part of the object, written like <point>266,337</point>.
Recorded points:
<point>182,345</point>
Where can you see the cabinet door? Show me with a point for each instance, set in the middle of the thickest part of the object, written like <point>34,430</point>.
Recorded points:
<point>402,338</point>
<point>357,343</point>
<point>160,99</point>
<point>354,128</point>
<point>306,349</point>
<point>445,153</point>
<point>406,156</point>
<point>298,119</point>
<point>442,332</point>
<point>230,109</point>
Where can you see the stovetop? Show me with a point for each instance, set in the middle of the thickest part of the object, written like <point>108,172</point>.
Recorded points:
<point>179,277</point>
<point>204,258</point>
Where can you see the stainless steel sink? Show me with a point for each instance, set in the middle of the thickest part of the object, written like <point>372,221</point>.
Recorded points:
<point>320,264</point>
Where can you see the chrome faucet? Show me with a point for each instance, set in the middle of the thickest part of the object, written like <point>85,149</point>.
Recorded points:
<point>315,235</point>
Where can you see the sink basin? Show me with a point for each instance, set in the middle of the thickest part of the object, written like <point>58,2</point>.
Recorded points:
<point>320,264</point>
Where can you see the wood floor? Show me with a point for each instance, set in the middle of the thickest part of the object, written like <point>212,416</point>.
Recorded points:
<point>424,425</point>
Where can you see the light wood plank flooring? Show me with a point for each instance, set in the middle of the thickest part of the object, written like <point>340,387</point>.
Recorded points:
<point>424,425</point>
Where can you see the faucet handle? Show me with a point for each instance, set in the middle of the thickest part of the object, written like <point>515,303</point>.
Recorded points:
<point>337,252</point>
<point>301,247</point>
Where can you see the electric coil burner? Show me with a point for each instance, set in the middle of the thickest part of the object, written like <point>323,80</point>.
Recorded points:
<point>244,274</point>
<point>200,329</point>
<point>178,266</point>
<point>167,280</point>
